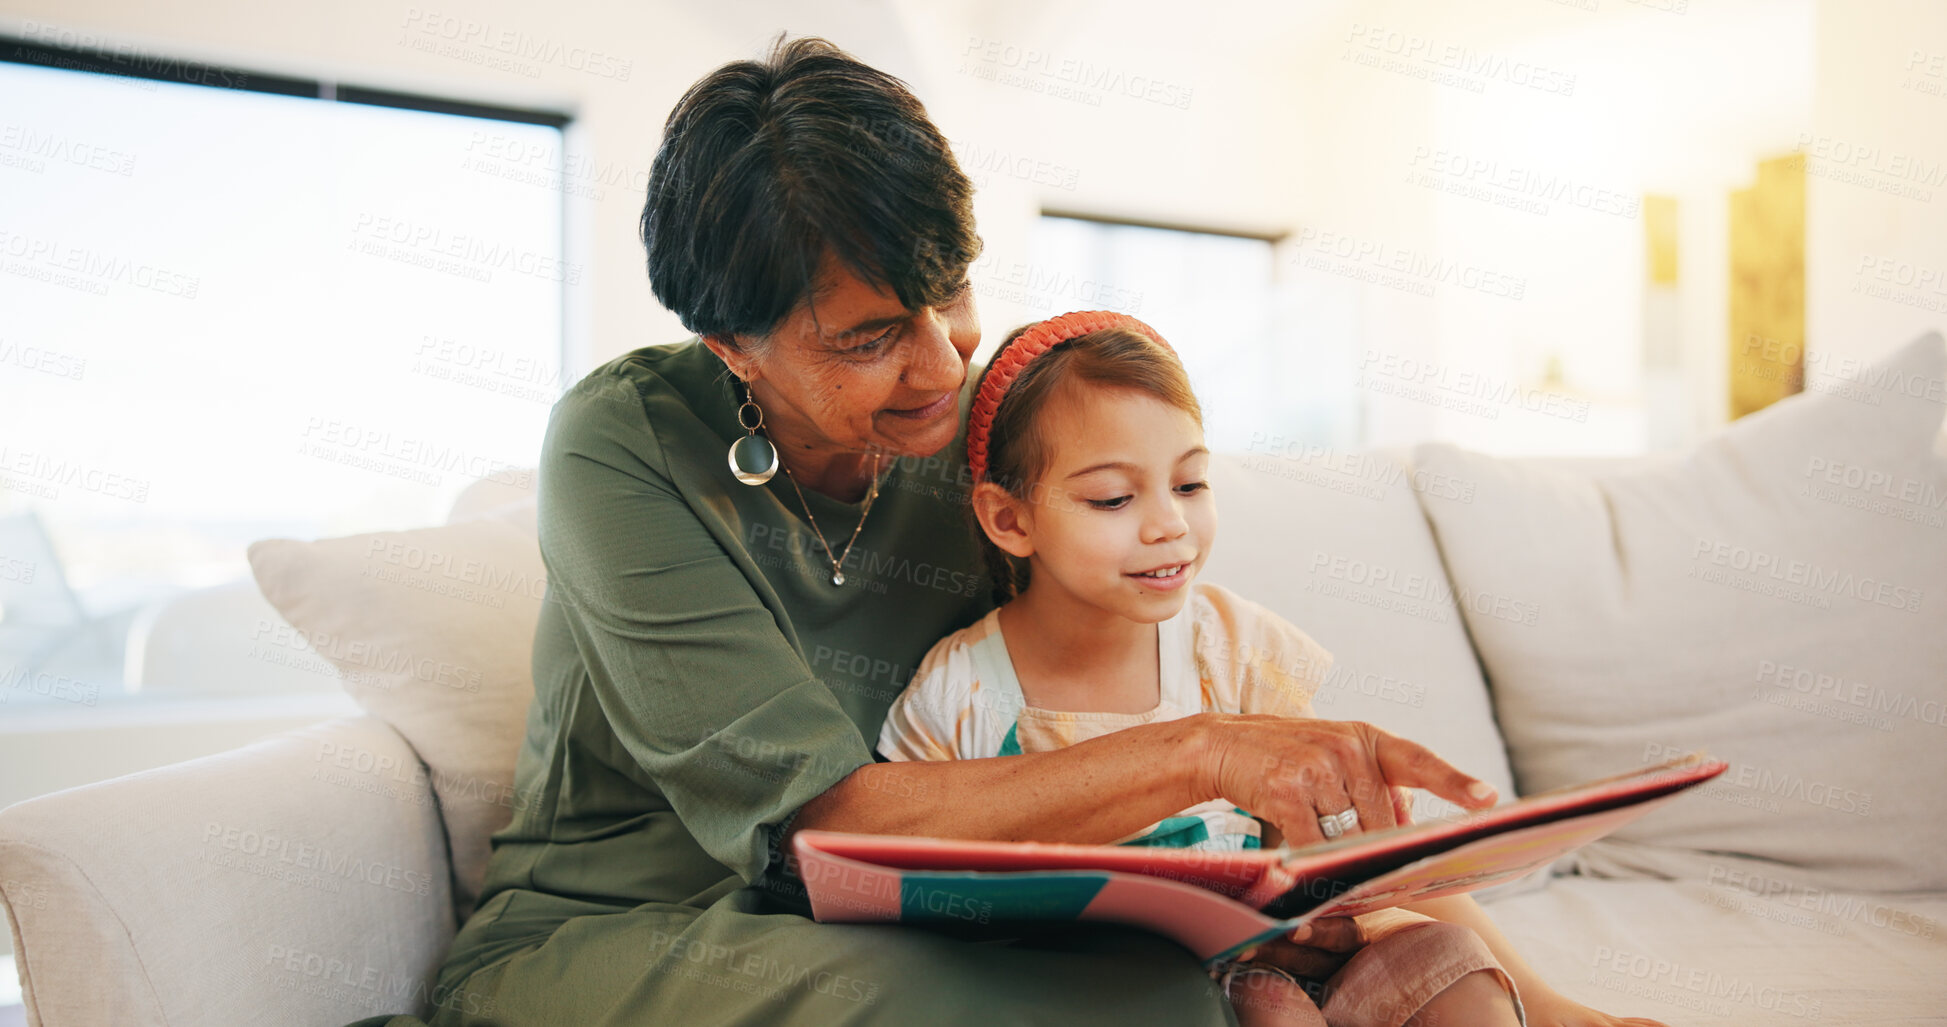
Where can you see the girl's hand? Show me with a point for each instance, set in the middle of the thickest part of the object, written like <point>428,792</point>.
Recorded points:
<point>1290,771</point>
<point>1316,950</point>
<point>1553,1009</point>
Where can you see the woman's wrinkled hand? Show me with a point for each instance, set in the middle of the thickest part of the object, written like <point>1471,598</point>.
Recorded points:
<point>1290,771</point>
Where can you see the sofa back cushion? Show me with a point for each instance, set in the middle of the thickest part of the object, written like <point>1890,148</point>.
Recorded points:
<point>1777,596</point>
<point>432,631</point>
<point>1335,543</point>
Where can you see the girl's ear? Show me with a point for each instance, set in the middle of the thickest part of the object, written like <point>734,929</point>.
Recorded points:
<point>1004,519</point>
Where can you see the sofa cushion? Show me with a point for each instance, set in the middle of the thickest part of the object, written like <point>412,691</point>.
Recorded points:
<point>1735,948</point>
<point>1777,596</point>
<point>432,631</point>
<point>1335,543</point>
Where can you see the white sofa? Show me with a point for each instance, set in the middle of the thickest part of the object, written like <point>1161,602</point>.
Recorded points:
<point>316,877</point>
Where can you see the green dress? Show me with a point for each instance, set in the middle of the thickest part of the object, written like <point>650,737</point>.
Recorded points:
<point>698,677</point>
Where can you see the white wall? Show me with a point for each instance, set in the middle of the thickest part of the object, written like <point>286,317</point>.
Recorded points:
<point>1271,117</point>
<point>1611,103</point>
<point>1209,162</point>
<point>1876,189</point>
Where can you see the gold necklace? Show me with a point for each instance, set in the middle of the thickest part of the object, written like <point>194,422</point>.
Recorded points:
<point>838,576</point>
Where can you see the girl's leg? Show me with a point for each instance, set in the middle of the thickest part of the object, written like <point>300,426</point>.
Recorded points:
<point>1477,998</point>
<point>1429,973</point>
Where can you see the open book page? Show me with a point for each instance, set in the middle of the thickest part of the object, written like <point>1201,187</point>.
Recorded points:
<point>1310,875</point>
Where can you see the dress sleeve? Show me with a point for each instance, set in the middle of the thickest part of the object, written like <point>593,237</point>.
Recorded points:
<point>1260,662</point>
<point>693,673</point>
<point>1284,681</point>
<point>923,723</point>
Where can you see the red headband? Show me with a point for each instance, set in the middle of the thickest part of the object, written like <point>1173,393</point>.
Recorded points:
<point>1017,355</point>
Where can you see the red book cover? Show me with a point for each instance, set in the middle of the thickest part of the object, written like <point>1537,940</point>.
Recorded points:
<point>1219,903</point>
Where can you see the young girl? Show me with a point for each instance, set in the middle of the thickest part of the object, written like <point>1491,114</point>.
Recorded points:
<point>1086,447</point>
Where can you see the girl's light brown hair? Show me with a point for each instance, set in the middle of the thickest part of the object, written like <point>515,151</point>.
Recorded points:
<point>1018,453</point>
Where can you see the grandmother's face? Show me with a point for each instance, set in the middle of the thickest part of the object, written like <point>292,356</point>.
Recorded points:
<point>854,371</point>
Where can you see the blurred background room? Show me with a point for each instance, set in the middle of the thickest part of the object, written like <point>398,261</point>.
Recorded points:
<point>308,271</point>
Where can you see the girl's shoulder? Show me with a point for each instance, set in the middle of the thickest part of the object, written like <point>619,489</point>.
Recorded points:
<point>949,663</point>
<point>1236,637</point>
<point>1215,609</point>
<point>931,717</point>
<point>974,634</point>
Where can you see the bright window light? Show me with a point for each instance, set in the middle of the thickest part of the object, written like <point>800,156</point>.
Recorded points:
<point>1219,300</point>
<point>227,315</point>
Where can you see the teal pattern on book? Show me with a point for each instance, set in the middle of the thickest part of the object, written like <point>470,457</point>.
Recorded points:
<point>983,898</point>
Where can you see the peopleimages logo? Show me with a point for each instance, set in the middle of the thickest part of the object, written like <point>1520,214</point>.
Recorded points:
<point>1697,987</point>
<point>1864,703</point>
<point>1845,907</point>
<point>1846,160</point>
<point>1527,183</point>
<point>1724,556</point>
<point>1351,578</point>
<point>65,150</point>
<point>220,839</point>
<point>1066,77</point>
<point>1766,784</point>
<point>468,256</point>
<point>43,360</point>
<point>374,448</point>
<point>89,270</point>
<point>516,44</point>
<point>1464,385</point>
<point>1382,263</point>
<point>1443,63</point>
<point>1362,474</point>
<point>49,473</point>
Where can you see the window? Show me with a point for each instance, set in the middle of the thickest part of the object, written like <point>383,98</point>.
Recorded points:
<point>1219,299</point>
<point>235,307</point>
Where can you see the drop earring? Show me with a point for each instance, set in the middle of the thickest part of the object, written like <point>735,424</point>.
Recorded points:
<point>752,458</point>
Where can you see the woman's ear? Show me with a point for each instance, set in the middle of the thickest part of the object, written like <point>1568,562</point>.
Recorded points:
<point>734,357</point>
<point>1004,519</point>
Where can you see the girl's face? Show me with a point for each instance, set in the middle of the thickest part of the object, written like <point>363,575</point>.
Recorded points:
<point>1124,494</point>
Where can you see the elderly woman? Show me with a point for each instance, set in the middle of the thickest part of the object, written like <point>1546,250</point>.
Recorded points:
<point>721,641</point>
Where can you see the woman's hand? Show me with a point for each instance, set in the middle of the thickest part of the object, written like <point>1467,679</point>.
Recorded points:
<point>1550,1008</point>
<point>1291,771</point>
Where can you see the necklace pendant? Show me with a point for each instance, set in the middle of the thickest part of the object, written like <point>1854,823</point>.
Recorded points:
<point>838,577</point>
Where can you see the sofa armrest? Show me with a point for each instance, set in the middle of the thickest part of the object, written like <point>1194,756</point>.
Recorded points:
<point>300,880</point>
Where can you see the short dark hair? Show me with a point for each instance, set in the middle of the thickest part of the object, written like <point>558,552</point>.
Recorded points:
<point>766,165</point>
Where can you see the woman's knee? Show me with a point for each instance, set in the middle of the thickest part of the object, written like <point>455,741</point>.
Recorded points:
<point>1074,974</point>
